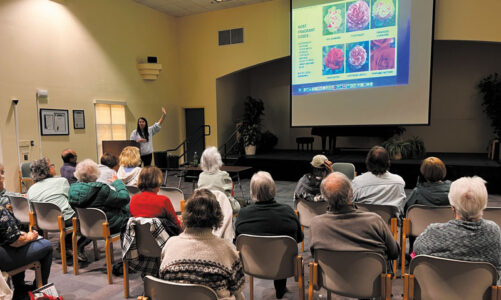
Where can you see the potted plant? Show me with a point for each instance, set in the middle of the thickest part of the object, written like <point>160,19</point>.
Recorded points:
<point>490,88</point>
<point>399,148</point>
<point>251,124</point>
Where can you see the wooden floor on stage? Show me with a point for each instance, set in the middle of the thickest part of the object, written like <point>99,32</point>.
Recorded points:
<point>292,164</point>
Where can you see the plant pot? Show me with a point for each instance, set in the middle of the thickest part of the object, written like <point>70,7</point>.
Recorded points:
<point>250,150</point>
<point>397,156</point>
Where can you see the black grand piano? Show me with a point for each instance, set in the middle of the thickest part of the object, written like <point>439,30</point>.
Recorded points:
<point>332,132</point>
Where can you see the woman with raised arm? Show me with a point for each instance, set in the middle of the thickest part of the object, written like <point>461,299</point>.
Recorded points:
<point>143,135</point>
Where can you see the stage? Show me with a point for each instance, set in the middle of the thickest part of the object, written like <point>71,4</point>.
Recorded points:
<point>290,165</point>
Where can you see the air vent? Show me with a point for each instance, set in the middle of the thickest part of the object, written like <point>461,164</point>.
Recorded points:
<point>232,36</point>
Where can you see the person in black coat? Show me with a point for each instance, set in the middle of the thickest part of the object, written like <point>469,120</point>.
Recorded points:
<point>267,217</point>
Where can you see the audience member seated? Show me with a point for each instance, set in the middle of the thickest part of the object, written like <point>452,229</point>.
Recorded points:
<point>344,228</point>
<point>107,168</point>
<point>468,236</point>
<point>212,178</point>
<point>148,204</point>
<point>88,193</point>
<point>48,188</point>
<point>130,165</point>
<point>69,163</point>
<point>379,186</point>
<point>4,195</point>
<point>308,187</point>
<point>18,248</point>
<point>433,191</point>
<point>267,217</point>
<point>199,257</point>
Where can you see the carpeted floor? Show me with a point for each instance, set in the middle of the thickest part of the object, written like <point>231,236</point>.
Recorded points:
<point>91,283</point>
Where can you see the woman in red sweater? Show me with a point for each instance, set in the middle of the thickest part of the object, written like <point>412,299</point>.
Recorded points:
<point>148,204</point>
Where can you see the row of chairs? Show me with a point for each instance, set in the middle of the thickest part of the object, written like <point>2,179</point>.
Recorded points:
<point>418,217</point>
<point>351,274</point>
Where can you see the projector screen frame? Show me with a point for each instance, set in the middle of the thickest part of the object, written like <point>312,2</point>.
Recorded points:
<point>365,125</point>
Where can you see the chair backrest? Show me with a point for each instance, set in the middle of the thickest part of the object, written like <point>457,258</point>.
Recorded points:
<point>347,169</point>
<point>20,208</point>
<point>91,222</point>
<point>158,289</point>
<point>268,257</point>
<point>146,244</point>
<point>354,274</point>
<point>308,210</point>
<point>421,216</point>
<point>386,212</point>
<point>442,278</point>
<point>174,194</point>
<point>46,215</point>
<point>493,214</point>
<point>26,169</point>
<point>132,190</point>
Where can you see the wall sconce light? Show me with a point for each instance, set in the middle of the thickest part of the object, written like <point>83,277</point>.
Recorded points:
<point>149,70</point>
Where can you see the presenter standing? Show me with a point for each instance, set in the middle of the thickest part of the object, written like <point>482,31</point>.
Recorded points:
<point>143,135</point>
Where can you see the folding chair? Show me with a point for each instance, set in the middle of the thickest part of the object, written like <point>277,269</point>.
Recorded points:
<point>347,169</point>
<point>306,211</point>
<point>93,224</point>
<point>33,265</point>
<point>25,176</point>
<point>175,196</point>
<point>356,274</point>
<point>146,246</point>
<point>49,218</point>
<point>270,257</point>
<point>441,278</point>
<point>418,217</point>
<point>388,213</point>
<point>158,289</point>
<point>21,210</point>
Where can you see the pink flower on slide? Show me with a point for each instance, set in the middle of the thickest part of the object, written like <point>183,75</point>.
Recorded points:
<point>358,56</point>
<point>383,59</point>
<point>358,16</point>
<point>334,59</point>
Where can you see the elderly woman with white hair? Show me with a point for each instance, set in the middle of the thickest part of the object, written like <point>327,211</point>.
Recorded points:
<point>468,237</point>
<point>213,178</point>
<point>268,217</point>
<point>86,192</point>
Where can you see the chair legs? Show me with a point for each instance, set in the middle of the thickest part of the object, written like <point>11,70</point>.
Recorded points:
<point>126,278</point>
<point>62,242</point>
<point>107,248</point>
<point>251,287</point>
<point>405,231</point>
<point>74,244</point>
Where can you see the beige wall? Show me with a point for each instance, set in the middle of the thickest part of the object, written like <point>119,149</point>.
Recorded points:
<point>80,51</point>
<point>266,35</point>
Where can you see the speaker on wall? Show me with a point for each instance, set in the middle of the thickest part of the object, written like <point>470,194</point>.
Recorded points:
<point>152,59</point>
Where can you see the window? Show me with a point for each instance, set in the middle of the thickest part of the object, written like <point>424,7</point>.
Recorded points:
<point>110,124</point>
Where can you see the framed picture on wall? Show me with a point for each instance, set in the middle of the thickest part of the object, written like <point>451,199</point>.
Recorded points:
<point>54,122</point>
<point>78,119</point>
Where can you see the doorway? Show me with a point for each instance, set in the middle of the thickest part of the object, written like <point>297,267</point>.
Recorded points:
<point>195,132</point>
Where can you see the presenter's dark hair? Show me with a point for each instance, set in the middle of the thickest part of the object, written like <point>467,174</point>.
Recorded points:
<point>145,134</point>
<point>378,160</point>
<point>67,156</point>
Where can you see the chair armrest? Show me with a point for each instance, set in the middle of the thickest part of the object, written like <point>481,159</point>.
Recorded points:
<point>299,269</point>
<point>9,207</point>
<point>182,203</point>
<point>106,230</point>
<point>314,275</point>
<point>142,298</point>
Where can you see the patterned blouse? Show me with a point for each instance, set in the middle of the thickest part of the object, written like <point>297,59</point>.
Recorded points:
<point>9,227</point>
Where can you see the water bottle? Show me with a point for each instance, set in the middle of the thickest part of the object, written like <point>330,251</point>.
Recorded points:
<point>195,159</point>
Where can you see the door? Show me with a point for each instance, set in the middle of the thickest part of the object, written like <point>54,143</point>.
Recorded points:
<point>195,132</point>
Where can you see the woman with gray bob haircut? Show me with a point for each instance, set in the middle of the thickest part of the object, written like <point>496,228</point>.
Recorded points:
<point>268,217</point>
<point>468,236</point>
<point>213,178</point>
